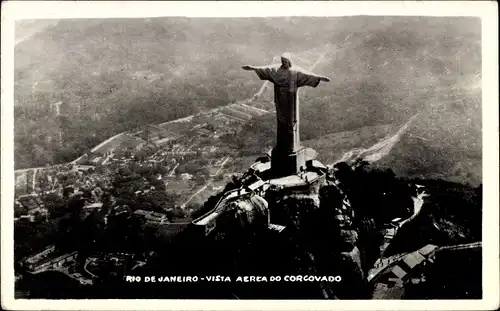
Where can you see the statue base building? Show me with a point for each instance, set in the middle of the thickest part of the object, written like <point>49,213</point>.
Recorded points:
<point>290,163</point>
<point>285,163</point>
<point>289,174</point>
<point>290,170</point>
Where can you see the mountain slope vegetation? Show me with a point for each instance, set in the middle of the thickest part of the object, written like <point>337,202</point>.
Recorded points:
<point>118,74</point>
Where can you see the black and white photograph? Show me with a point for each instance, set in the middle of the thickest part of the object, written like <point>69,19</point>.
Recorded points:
<point>243,156</point>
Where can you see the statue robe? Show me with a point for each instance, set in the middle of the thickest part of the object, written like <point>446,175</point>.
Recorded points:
<point>286,86</point>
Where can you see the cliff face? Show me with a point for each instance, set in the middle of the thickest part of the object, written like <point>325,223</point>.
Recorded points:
<point>319,226</point>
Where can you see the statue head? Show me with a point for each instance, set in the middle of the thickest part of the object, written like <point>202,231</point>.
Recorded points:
<point>286,60</point>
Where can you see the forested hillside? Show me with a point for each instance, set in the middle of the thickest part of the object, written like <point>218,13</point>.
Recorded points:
<point>118,74</point>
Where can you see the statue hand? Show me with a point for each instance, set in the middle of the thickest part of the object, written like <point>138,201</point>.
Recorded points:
<point>326,79</point>
<point>247,67</point>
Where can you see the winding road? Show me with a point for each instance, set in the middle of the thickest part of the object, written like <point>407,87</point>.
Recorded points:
<point>382,262</point>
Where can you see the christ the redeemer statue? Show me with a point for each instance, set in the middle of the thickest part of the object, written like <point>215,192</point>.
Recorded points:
<point>287,157</point>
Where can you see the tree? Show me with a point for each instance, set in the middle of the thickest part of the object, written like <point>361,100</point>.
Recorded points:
<point>159,200</point>
<point>54,204</point>
<point>19,210</point>
<point>176,213</point>
<point>158,184</point>
<point>141,155</point>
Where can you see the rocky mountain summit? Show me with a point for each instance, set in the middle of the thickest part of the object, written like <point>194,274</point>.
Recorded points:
<point>356,222</point>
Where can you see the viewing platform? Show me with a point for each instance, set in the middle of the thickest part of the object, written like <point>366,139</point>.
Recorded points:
<point>307,181</point>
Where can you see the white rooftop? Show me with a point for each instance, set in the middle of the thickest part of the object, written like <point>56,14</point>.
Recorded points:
<point>256,185</point>
<point>294,180</point>
<point>93,205</point>
<point>207,219</point>
<point>261,167</point>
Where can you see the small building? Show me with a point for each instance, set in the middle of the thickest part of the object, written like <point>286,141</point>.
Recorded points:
<point>30,201</point>
<point>27,218</point>
<point>120,210</point>
<point>186,176</point>
<point>96,160</point>
<point>93,206</point>
<point>398,273</point>
<point>414,259</point>
<point>54,263</point>
<point>39,211</point>
<point>41,255</point>
<point>204,132</point>
<point>84,168</point>
<point>170,138</point>
<point>152,217</point>
<point>141,212</point>
<point>217,188</point>
<point>213,149</point>
<point>152,132</point>
<point>277,228</point>
<point>256,185</point>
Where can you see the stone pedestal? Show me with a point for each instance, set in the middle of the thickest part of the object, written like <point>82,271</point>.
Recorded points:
<point>287,163</point>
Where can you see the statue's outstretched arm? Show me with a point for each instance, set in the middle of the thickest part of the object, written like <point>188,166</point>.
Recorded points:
<point>248,67</point>
<point>323,78</point>
<point>264,72</point>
